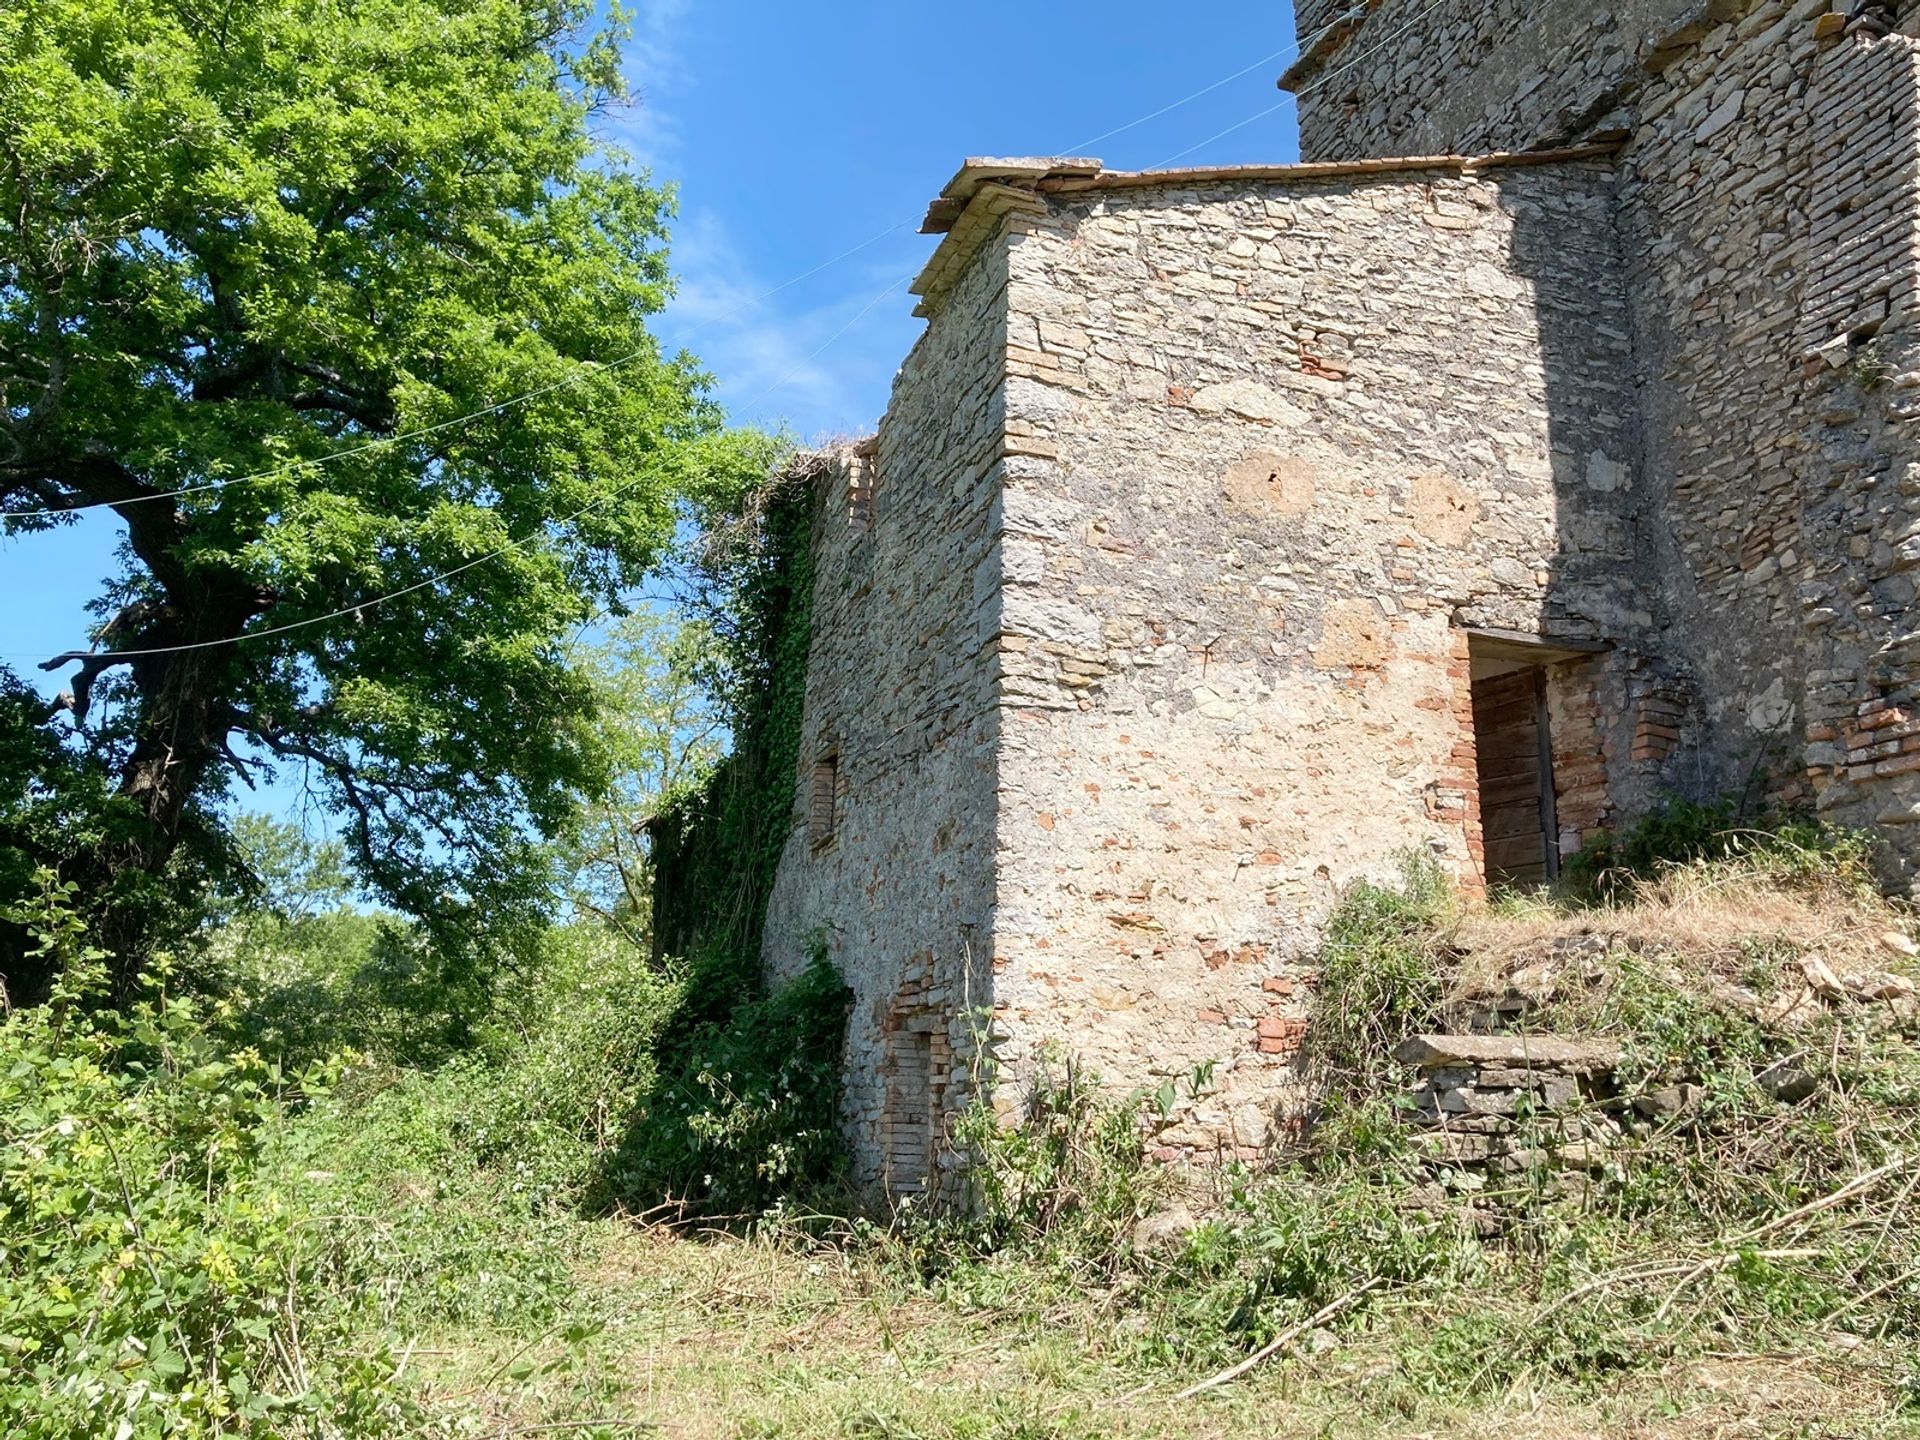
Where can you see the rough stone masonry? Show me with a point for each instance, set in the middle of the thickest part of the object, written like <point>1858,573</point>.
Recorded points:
<point>1232,532</point>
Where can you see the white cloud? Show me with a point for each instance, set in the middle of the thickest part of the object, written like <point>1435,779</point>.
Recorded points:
<point>781,359</point>
<point>657,75</point>
<point>819,357</point>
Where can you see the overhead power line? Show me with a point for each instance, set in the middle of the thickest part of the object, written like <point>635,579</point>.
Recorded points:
<point>373,602</point>
<point>1265,60</point>
<point>1379,43</point>
<point>584,372</point>
<point>828,343</point>
<point>368,604</point>
<point>1181,155</point>
<point>589,371</point>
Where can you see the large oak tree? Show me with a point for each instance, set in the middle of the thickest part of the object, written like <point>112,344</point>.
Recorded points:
<point>271,254</point>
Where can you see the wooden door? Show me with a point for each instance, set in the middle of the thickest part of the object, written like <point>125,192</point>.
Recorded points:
<point>1514,757</point>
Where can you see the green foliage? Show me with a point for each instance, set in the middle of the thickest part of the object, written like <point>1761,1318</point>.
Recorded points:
<point>458,1185</point>
<point>747,1110</point>
<point>58,805</point>
<point>1744,1217</point>
<point>302,972</point>
<point>150,1282</point>
<point>716,848</point>
<point>1378,981</point>
<point>1679,832</point>
<point>664,733</point>
<point>280,236</point>
<point>1066,1177</point>
<point>1292,1242</point>
<point>1870,366</point>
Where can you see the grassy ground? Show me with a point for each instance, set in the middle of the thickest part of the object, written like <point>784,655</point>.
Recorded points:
<point>719,1337</point>
<point>1748,1270</point>
<point>433,1246</point>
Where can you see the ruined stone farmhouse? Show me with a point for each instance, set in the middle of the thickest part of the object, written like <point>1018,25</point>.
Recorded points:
<point>1548,441</point>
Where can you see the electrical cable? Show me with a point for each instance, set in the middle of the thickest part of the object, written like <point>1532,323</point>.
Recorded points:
<point>1379,43</point>
<point>508,548</point>
<point>591,370</point>
<point>584,372</point>
<point>828,342</point>
<point>1162,164</point>
<point>359,607</point>
<point>1280,54</point>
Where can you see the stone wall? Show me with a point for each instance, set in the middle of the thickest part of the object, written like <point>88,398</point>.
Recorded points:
<point>890,860</point>
<point>1278,441</point>
<point>1142,627</point>
<point>1514,1102</point>
<point>1418,78</point>
<point>1859,525</point>
<point>1768,209</point>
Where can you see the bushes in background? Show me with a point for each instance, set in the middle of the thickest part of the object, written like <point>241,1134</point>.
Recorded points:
<point>747,1108</point>
<point>189,1234</point>
<point>151,1282</point>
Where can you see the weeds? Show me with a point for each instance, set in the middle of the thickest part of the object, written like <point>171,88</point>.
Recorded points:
<point>1677,834</point>
<point>431,1220</point>
<point>747,1108</point>
<point>1742,1223</point>
<point>1377,980</point>
<point>151,1281</point>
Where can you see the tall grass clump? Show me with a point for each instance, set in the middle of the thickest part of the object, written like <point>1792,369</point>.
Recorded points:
<point>1679,835</point>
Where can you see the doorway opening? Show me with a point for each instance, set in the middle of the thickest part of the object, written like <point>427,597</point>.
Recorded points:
<point>1513,753</point>
<point>1510,675</point>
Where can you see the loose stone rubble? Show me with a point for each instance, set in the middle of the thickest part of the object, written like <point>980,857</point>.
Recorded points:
<point>1516,1102</point>
<point>1153,614</point>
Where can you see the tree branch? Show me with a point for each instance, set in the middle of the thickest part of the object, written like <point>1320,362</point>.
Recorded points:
<point>92,665</point>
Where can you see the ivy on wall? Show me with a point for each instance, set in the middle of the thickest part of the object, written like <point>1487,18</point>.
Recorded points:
<point>748,1107</point>
<point>716,849</point>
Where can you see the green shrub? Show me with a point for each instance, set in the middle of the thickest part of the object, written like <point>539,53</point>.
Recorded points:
<point>1068,1176</point>
<point>1679,832</point>
<point>1290,1242</point>
<point>460,1184</point>
<point>747,1107</point>
<point>151,1282</point>
<point>1378,980</point>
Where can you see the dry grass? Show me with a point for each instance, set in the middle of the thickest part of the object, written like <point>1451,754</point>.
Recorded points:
<point>723,1339</point>
<point>719,1338</point>
<point>1710,919</point>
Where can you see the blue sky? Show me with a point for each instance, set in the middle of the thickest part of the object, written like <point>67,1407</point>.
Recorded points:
<point>796,132</point>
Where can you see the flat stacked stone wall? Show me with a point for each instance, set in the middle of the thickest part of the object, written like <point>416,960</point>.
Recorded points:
<point>1768,210</point>
<point>1514,1102</point>
<point>1274,445</point>
<point>902,699</point>
<point>1420,78</point>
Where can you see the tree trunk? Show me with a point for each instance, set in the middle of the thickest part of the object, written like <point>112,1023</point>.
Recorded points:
<point>181,715</point>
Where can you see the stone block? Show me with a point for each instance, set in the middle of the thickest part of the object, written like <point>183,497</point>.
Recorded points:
<point>1522,1052</point>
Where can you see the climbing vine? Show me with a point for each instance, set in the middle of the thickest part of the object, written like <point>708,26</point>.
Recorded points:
<point>748,1105</point>
<point>716,849</point>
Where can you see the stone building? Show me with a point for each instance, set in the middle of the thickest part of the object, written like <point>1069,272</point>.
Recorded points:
<point>1232,531</point>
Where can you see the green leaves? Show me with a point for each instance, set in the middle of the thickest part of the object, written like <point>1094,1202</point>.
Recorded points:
<point>296,245</point>
<point>147,1275</point>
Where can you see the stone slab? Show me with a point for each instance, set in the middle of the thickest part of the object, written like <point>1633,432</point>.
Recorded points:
<point>1510,1052</point>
